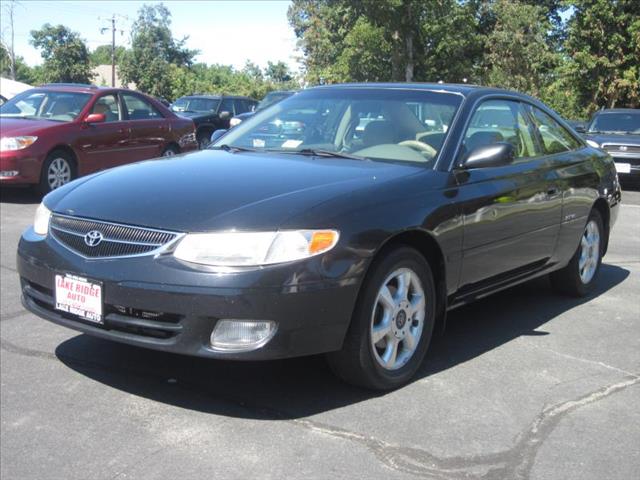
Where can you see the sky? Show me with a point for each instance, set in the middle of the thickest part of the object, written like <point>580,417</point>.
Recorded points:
<point>228,32</point>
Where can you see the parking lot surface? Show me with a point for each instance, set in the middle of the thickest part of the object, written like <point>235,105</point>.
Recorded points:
<point>524,384</point>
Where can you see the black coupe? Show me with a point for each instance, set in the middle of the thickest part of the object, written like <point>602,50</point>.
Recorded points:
<point>350,230</point>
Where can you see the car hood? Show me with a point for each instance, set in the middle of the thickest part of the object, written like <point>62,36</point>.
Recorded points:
<point>12,127</point>
<point>217,190</point>
<point>600,138</point>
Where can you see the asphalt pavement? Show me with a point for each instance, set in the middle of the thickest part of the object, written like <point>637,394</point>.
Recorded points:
<point>526,384</point>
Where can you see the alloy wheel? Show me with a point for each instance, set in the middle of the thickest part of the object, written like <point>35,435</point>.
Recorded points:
<point>589,252</point>
<point>397,320</point>
<point>58,173</point>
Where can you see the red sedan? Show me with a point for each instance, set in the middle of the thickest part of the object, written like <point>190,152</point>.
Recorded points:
<point>55,133</point>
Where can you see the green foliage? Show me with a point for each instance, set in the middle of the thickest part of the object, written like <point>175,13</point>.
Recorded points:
<point>223,79</point>
<point>278,72</point>
<point>603,45</point>
<point>66,58</point>
<point>366,56</point>
<point>154,52</point>
<point>102,55</point>
<point>517,51</point>
<point>576,66</point>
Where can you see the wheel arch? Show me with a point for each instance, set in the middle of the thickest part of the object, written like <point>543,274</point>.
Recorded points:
<point>426,244</point>
<point>67,149</point>
<point>171,144</point>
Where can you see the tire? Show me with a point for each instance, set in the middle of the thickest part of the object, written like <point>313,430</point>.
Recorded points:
<point>361,362</point>
<point>170,151</point>
<point>577,278</point>
<point>204,139</point>
<point>58,169</point>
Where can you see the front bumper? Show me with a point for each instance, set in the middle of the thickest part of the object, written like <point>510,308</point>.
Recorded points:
<point>312,315</point>
<point>24,166</point>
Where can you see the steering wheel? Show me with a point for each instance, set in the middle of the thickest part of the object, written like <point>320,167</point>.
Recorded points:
<point>424,148</point>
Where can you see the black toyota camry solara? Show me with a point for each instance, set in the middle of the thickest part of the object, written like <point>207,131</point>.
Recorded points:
<point>344,220</point>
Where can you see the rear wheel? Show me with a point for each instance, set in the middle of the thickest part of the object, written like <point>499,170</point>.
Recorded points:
<point>578,277</point>
<point>58,170</point>
<point>392,324</point>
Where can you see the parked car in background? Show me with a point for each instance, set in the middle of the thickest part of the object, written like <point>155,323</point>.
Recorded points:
<point>55,133</point>
<point>10,88</point>
<point>326,239</point>
<point>617,132</point>
<point>270,98</point>
<point>211,112</point>
<point>577,125</point>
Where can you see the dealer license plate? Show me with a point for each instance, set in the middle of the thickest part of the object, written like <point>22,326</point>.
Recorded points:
<point>79,296</point>
<point>623,167</point>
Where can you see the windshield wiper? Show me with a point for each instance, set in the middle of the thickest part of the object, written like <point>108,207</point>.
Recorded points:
<point>322,153</point>
<point>232,148</point>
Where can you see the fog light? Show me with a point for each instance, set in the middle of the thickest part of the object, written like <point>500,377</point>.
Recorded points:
<point>9,173</point>
<point>242,335</point>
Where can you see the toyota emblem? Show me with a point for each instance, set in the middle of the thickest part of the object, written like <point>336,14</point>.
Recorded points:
<point>623,148</point>
<point>93,238</point>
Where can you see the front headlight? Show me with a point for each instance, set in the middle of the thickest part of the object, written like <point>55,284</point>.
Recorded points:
<point>41,220</point>
<point>245,249</point>
<point>10,144</point>
<point>593,144</point>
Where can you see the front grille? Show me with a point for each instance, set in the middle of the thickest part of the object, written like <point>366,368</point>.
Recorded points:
<point>117,240</point>
<point>615,148</point>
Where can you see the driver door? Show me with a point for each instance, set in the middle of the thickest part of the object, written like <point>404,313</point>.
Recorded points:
<point>511,213</point>
<point>105,144</point>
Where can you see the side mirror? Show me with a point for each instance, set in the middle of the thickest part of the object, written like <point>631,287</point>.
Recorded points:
<point>494,155</point>
<point>224,115</point>
<point>580,129</point>
<point>217,134</point>
<point>95,118</point>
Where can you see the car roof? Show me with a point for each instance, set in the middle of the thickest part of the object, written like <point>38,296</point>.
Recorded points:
<point>215,97</point>
<point>80,88</point>
<point>460,88</point>
<point>618,110</point>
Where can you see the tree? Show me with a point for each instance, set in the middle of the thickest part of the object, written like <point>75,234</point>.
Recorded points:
<point>66,58</point>
<point>518,54</point>
<point>102,55</point>
<point>8,50</point>
<point>252,70</point>
<point>278,72</point>
<point>378,40</point>
<point>603,45</point>
<point>153,51</point>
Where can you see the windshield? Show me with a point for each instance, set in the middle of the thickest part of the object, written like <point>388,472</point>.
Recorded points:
<point>45,105</point>
<point>378,124</point>
<point>273,98</point>
<point>618,122</point>
<point>187,104</point>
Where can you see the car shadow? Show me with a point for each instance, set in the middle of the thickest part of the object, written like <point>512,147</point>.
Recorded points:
<point>295,388</point>
<point>19,195</point>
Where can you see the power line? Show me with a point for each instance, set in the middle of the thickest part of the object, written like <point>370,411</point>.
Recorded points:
<point>112,20</point>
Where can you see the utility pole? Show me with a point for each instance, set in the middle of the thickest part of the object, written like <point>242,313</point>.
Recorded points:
<point>113,45</point>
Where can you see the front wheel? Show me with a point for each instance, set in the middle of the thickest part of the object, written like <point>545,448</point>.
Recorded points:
<point>57,170</point>
<point>578,277</point>
<point>392,324</point>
